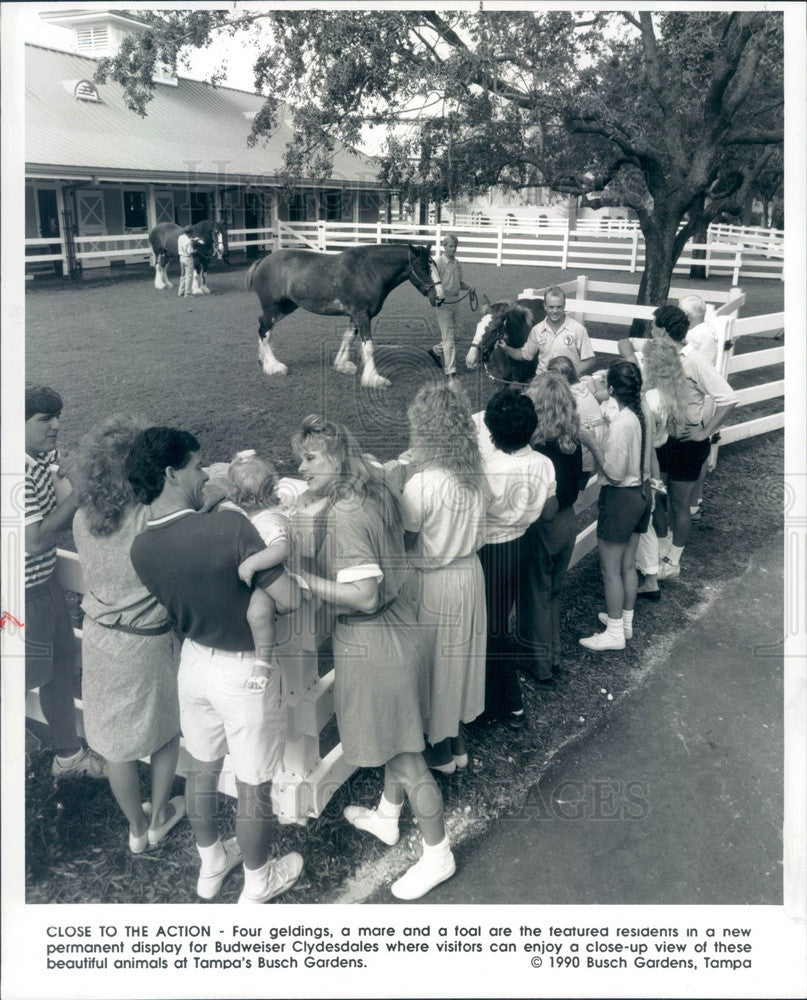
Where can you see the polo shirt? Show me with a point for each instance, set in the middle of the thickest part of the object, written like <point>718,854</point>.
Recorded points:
<point>703,339</point>
<point>706,387</point>
<point>40,500</point>
<point>189,561</point>
<point>571,341</point>
<point>450,273</point>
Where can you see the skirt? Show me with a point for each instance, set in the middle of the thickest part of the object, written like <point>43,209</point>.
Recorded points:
<point>129,691</point>
<point>451,612</point>
<point>622,511</point>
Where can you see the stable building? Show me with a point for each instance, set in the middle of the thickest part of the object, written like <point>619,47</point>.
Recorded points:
<point>94,168</point>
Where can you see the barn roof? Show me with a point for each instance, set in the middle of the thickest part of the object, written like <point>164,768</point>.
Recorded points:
<point>190,127</point>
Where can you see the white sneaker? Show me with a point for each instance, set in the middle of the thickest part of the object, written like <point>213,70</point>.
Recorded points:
<point>281,875</point>
<point>603,616</point>
<point>602,640</point>
<point>208,885</point>
<point>383,827</point>
<point>668,570</point>
<point>423,876</point>
<point>85,763</point>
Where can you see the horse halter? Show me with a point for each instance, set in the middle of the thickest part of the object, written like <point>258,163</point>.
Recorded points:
<point>418,282</point>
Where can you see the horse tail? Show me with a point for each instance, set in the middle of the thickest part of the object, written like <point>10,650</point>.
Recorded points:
<point>250,275</point>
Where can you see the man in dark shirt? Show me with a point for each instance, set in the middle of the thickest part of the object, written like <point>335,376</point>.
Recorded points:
<point>189,561</point>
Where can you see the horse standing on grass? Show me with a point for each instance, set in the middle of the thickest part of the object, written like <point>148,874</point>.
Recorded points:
<point>353,283</point>
<point>511,325</point>
<point>208,241</point>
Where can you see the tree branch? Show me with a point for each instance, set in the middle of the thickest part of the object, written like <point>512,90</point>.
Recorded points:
<point>753,139</point>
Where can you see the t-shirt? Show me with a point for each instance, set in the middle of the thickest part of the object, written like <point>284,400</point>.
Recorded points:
<point>271,524</point>
<point>40,500</point>
<point>591,418</point>
<point>660,411</point>
<point>622,449</point>
<point>184,245</point>
<point>703,339</point>
<point>448,518</point>
<point>570,341</point>
<point>521,483</point>
<point>568,469</point>
<point>189,562</point>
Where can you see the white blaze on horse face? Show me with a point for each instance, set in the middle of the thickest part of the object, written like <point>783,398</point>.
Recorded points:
<point>438,285</point>
<point>481,329</point>
<point>220,245</point>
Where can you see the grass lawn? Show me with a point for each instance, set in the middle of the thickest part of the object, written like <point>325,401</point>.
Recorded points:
<point>122,346</point>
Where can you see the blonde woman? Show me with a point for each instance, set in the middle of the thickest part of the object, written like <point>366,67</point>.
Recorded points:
<point>549,544</point>
<point>381,693</point>
<point>444,504</point>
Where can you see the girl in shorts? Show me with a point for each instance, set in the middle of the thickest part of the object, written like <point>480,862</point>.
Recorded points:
<point>624,510</point>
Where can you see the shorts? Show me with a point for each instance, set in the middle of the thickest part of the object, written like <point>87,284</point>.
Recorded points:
<point>623,511</point>
<point>219,714</point>
<point>681,461</point>
<point>50,644</point>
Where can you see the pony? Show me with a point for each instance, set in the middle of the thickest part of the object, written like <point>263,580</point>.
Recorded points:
<point>509,324</point>
<point>353,283</point>
<point>209,237</point>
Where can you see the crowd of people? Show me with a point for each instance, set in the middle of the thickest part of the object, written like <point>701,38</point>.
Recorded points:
<point>444,568</point>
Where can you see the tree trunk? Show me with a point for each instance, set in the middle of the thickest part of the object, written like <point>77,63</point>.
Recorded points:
<point>701,235</point>
<point>659,241</point>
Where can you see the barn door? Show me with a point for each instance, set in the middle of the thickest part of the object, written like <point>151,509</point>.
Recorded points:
<point>164,206</point>
<point>91,222</point>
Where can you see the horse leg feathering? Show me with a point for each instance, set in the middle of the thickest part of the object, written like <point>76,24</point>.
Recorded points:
<point>342,362</point>
<point>269,362</point>
<point>370,379</point>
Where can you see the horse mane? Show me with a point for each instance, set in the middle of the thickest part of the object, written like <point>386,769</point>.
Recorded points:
<point>517,326</point>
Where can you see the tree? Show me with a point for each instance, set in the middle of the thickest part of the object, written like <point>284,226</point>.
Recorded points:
<point>666,113</point>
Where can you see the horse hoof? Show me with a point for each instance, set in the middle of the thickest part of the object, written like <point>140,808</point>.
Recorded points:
<point>197,291</point>
<point>206,290</point>
<point>345,367</point>
<point>278,368</point>
<point>375,382</point>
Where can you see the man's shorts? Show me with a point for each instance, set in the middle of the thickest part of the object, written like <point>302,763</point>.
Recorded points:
<point>219,714</point>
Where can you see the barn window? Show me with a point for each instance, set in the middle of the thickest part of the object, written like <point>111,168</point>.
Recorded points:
<point>297,207</point>
<point>85,91</point>
<point>331,205</point>
<point>134,209</point>
<point>92,37</point>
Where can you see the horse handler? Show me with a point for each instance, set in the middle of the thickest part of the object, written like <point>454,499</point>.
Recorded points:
<point>185,247</point>
<point>448,312</point>
<point>189,561</point>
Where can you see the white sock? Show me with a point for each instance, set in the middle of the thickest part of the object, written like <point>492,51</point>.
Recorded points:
<point>388,810</point>
<point>255,879</point>
<point>627,619</point>
<point>213,857</point>
<point>614,628</point>
<point>675,554</point>
<point>434,851</point>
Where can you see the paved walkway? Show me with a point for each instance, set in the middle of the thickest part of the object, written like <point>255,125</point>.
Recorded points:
<point>678,797</point>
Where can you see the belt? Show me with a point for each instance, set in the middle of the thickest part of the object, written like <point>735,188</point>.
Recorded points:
<point>235,654</point>
<point>359,616</point>
<point>134,630</point>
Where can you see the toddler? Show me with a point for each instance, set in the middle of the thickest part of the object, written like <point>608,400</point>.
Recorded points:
<point>251,482</point>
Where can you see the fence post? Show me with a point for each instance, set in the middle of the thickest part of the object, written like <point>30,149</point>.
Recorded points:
<point>725,352</point>
<point>499,240</point>
<point>708,258</point>
<point>634,251</point>
<point>438,236</point>
<point>738,263</point>
<point>321,244</point>
<point>378,231</point>
<point>564,259</point>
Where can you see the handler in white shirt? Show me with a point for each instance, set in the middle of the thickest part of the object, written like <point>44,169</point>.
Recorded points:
<point>554,336</point>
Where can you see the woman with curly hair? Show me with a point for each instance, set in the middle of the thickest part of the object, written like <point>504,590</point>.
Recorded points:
<point>130,652</point>
<point>381,692</point>
<point>624,511</point>
<point>444,504</point>
<point>548,545</point>
<point>588,392</point>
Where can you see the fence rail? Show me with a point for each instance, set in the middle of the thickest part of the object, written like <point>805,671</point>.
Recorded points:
<point>739,253</point>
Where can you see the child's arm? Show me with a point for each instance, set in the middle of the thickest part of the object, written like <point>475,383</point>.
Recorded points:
<point>261,619</point>
<point>272,555</point>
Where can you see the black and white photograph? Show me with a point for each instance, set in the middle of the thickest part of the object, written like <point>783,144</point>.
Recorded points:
<point>404,499</point>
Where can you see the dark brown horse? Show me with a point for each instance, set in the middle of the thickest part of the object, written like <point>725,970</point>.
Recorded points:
<point>353,283</point>
<point>509,324</point>
<point>208,241</point>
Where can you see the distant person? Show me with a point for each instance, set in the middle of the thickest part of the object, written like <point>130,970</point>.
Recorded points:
<point>449,315</point>
<point>129,650</point>
<point>185,247</point>
<point>51,649</point>
<point>189,561</point>
<point>557,334</point>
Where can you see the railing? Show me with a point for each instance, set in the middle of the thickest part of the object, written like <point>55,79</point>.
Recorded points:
<point>618,246</point>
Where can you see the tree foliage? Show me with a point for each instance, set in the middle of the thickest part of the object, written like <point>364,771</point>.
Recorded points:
<point>673,114</point>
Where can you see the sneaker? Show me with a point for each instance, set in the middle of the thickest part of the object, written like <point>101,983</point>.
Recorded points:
<point>436,358</point>
<point>208,885</point>
<point>383,827</point>
<point>668,570</point>
<point>85,764</point>
<point>601,641</point>
<point>516,720</point>
<point>158,835</point>
<point>280,876</point>
<point>425,875</point>
<point>604,619</point>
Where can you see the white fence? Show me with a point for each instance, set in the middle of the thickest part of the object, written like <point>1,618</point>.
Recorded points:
<point>738,253</point>
<point>308,779</point>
